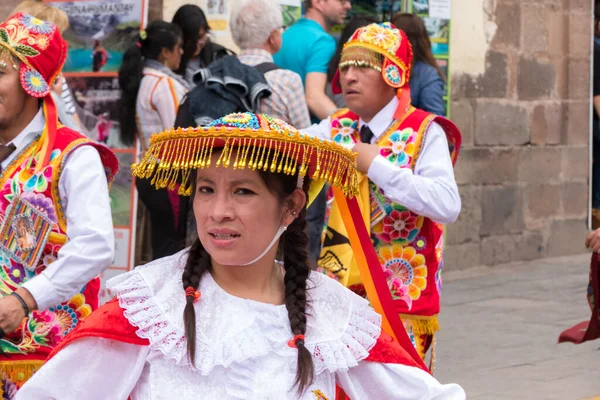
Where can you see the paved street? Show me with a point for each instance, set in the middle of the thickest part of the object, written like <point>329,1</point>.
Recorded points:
<point>500,327</point>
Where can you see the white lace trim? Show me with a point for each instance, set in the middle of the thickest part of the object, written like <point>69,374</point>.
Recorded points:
<point>232,330</point>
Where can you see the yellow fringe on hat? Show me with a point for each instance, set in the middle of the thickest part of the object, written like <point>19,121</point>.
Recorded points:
<point>360,57</point>
<point>174,154</point>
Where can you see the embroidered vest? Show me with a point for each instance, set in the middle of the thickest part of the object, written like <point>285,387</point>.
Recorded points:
<point>32,231</point>
<point>409,246</point>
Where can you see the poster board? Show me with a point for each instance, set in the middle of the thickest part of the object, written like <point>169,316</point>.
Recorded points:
<point>100,32</point>
<point>436,15</point>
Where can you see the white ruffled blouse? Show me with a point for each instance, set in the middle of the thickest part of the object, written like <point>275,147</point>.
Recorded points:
<point>242,348</point>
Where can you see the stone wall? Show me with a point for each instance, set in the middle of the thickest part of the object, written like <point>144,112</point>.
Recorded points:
<point>523,169</point>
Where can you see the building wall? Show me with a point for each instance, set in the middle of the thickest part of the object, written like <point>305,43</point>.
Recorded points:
<point>521,96</point>
<point>520,74</point>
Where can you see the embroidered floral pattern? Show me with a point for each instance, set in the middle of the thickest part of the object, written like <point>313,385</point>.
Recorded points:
<point>438,278</point>
<point>342,130</point>
<point>439,248</point>
<point>238,120</point>
<point>381,35</point>
<point>70,313</point>
<point>36,25</point>
<point>277,124</point>
<point>401,226</point>
<point>36,182</point>
<point>34,82</point>
<point>41,203</point>
<point>319,395</point>
<point>404,263</point>
<point>392,74</point>
<point>399,148</point>
<point>12,274</point>
<point>397,287</point>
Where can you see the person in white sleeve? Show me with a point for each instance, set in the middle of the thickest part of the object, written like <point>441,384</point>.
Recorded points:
<point>225,319</point>
<point>56,232</point>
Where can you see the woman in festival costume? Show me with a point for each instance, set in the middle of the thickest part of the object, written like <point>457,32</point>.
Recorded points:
<point>224,319</point>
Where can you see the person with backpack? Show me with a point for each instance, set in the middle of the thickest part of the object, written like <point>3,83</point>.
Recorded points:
<point>256,28</point>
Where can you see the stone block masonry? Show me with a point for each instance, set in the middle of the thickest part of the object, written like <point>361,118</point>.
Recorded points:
<point>523,172</point>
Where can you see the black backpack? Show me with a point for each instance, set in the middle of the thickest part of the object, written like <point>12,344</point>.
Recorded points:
<point>185,117</point>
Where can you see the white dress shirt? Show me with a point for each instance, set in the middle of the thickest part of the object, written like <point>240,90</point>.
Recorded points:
<point>84,195</point>
<point>430,190</point>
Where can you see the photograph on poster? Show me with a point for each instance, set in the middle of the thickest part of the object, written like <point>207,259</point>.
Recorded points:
<point>438,29</point>
<point>99,33</point>
<point>120,191</point>
<point>421,6</point>
<point>217,7</point>
<point>291,10</point>
<point>443,64</point>
<point>97,104</point>
<point>439,33</point>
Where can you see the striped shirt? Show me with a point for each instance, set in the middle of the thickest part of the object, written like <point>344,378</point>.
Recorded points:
<point>287,102</point>
<point>157,103</point>
<point>67,98</point>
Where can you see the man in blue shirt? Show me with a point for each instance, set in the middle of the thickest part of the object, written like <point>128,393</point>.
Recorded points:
<point>307,49</point>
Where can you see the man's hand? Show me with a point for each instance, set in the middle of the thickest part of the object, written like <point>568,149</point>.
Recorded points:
<point>593,241</point>
<point>366,155</point>
<point>11,310</point>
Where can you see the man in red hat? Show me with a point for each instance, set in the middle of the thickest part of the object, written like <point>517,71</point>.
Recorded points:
<point>407,191</point>
<point>56,232</point>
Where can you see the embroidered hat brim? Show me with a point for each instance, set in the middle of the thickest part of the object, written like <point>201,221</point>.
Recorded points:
<point>246,140</point>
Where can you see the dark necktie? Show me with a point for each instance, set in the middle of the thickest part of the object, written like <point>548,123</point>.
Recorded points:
<point>366,134</point>
<point>5,151</point>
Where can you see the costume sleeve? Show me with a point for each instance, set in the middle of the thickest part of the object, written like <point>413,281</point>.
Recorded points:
<point>90,368</point>
<point>90,250</point>
<point>371,380</point>
<point>431,189</point>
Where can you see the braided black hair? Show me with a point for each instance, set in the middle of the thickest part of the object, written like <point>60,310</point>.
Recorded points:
<point>295,262</point>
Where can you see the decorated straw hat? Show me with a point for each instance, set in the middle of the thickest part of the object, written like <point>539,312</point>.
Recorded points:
<point>246,140</point>
<point>42,52</point>
<point>382,47</point>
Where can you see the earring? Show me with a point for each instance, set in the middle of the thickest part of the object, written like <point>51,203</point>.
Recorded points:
<point>2,64</point>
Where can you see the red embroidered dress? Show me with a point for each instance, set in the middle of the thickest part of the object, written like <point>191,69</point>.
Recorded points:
<point>409,246</point>
<point>33,230</point>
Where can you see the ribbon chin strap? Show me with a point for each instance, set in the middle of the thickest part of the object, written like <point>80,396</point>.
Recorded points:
<point>275,239</point>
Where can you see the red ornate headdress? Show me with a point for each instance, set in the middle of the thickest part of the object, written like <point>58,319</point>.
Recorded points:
<point>372,43</point>
<point>42,52</point>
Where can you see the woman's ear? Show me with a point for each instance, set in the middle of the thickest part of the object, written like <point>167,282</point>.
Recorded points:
<point>294,205</point>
